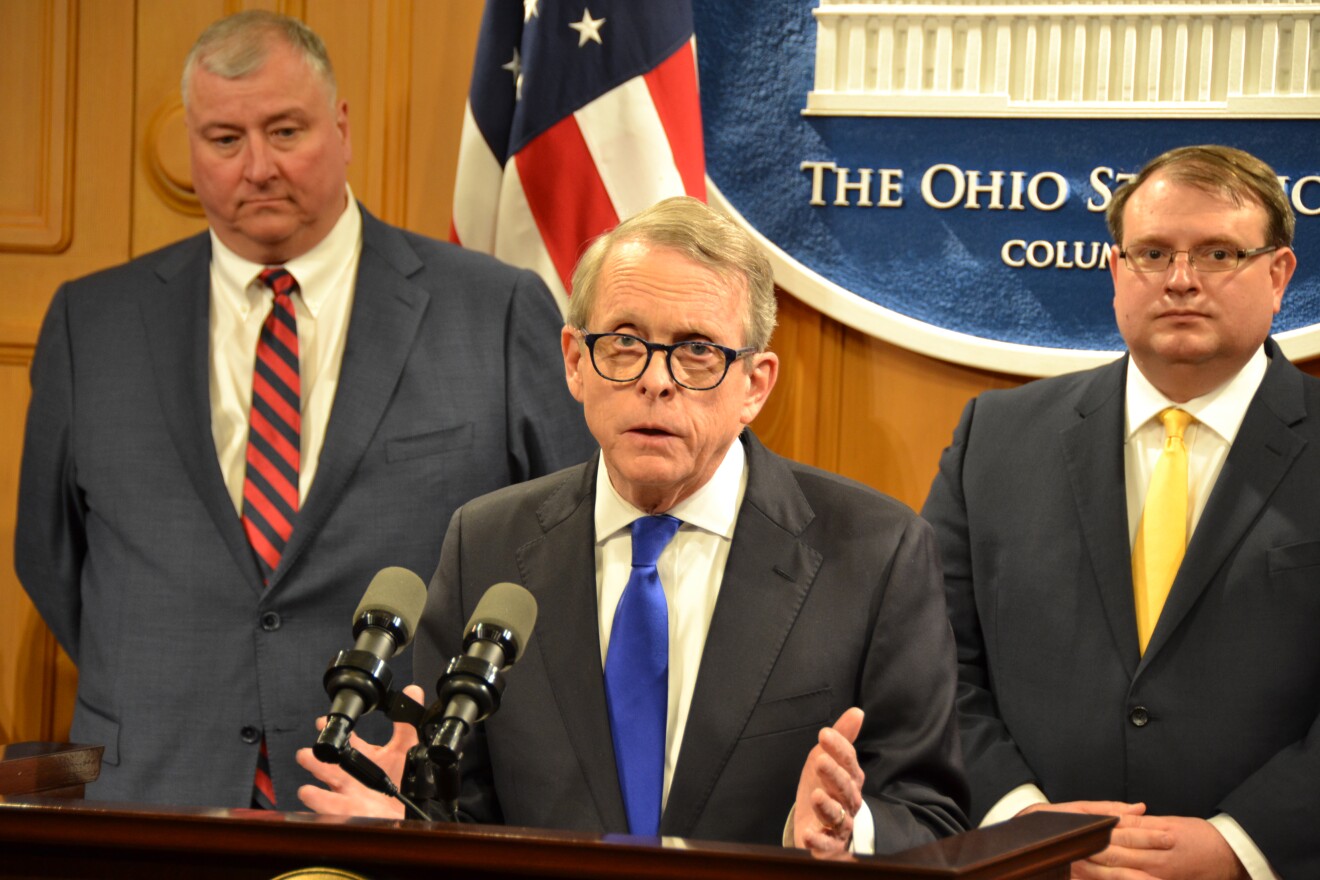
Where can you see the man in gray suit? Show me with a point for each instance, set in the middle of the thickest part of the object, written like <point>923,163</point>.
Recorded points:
<point>789,594</point>
<point>197,531</point>
<point>1118,654</point>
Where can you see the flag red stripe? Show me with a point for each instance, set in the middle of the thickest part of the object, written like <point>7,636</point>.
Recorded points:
<point>566,195</point>
<point>673,87</point>
<point>272,476</point>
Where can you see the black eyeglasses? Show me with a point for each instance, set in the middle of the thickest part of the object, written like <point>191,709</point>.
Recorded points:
<point>1205,257</point>
<point>694,364</point>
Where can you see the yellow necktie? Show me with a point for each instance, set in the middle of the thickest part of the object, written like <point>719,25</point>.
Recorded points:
<point>1162,534</point>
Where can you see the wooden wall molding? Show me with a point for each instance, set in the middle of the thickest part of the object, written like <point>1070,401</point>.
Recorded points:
<point>39,52</point>
<point>165,158</point>
<point>388,116</point>
<point>16,354</point>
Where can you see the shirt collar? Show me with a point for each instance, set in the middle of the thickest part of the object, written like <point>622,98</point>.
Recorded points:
<point>1222,410</point>
<point>326,261</point>
<point>713,507</point>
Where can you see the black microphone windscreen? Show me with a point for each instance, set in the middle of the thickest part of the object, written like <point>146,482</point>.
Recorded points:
<point>510,607</point>
<point>399,592</point>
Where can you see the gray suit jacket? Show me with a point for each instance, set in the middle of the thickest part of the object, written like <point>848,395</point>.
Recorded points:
<point>830,599</point>
<point>127,541</point>
<point>1220,714</point>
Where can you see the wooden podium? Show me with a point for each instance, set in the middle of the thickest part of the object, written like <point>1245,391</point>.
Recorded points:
<point>43,836</point>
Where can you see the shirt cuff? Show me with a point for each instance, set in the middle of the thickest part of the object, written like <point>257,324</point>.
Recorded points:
<point>1013,803</point>
<point>863,838</point>
<point>1258,867</point>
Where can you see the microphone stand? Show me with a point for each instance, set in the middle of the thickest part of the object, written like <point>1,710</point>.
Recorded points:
<point>431,770</point>
<point>336,750</point>
<point>474,676</point>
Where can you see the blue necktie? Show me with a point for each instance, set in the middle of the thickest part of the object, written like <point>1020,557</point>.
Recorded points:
<point>637,677</point>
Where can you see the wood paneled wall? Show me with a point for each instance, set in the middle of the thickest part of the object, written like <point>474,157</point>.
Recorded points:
<point>95,172</point>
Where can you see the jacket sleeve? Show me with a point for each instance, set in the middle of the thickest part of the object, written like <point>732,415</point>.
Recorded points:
<point>908,747</point>
<point>994,764</point>
<point>50,538</point>
<point>547,430</point>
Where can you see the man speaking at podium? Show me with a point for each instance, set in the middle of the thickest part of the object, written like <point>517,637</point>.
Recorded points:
<point>1131,552</point>
<point>777,597</point>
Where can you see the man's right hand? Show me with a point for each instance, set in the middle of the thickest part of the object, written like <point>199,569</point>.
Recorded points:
<point>345,796</point>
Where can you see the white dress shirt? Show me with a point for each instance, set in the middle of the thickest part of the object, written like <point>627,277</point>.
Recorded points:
<point>326,277</point>
<point>1218,416</point>
<point>691,569</point>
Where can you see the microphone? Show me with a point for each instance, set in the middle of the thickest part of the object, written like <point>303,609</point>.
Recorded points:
<point>470,688</point>
<point>359,680</point>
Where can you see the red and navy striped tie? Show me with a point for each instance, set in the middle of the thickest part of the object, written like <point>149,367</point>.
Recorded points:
<point>270,488</point>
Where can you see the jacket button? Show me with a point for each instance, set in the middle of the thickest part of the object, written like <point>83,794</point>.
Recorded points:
<point>250,735</point>
<point>1139,716</point>
<point>270,621</point>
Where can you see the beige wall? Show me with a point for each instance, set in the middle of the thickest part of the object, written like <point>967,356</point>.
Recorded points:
<point>95,171</point>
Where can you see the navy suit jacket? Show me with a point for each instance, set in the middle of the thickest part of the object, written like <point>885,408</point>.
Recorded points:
<point>831,598</point>
<point>127,541</point>
<point>1220,713</point>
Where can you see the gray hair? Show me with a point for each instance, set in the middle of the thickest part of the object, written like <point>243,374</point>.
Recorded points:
<point>1233,173</point>
<point>699,233</point>
<point>239,44</point>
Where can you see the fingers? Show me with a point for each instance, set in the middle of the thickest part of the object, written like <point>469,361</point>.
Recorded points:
<point>830,789</point>
<point>824,846</point>
<point>833,816</point>
<point>1090,870</point>
<point>1098,808</point>
<point>839,779</point>
<point>837,767</point>
<point>833,830</point>
<point>343,795</point>
<point>850,724</point>
<point>1140,838</point>
<point>323,801</point>
<point>331,803</point>
<point>330,774</point>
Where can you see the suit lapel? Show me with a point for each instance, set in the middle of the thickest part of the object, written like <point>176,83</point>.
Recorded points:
<point>1261,455</point>
<point>766,580</point>
<point>177,321</point>
<point>568,633</point>
<point>387,310</point>
<point>1093,449</point>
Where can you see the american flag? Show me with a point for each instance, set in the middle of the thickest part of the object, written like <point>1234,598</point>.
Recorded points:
<point>581,113</point>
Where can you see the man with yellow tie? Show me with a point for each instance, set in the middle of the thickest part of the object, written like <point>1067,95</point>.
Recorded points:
<point>1132,553</point>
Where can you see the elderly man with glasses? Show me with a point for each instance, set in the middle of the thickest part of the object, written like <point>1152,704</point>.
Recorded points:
<point>1131,552</point>
<point>784,620</point>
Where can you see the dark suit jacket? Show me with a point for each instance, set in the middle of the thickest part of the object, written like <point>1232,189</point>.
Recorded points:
<point>127,541</point>
<point>830,599</point>
<point>1220,714</point>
